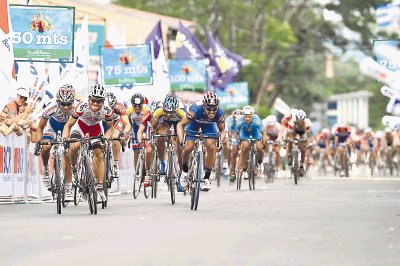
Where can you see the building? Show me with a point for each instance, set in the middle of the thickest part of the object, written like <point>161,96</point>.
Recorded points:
<point>349,107</point>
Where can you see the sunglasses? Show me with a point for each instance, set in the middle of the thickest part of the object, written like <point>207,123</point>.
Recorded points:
<point>65,104</point>
<point>97,101</point>
<point>137,105</point>
<point>212,109</point>
<point>23,98</point>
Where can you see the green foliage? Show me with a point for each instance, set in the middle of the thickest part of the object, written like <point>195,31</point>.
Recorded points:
<point>287,42</point>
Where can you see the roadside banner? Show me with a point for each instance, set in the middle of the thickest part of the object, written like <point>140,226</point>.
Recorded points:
<point>188,75</point>
<point>235,95</point>
<point>126,65</point>
<point>40,34</point>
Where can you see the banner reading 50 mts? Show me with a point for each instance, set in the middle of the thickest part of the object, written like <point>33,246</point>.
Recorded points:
<point>126,65</point>
<point>188,75</point>
<point>43,33</point>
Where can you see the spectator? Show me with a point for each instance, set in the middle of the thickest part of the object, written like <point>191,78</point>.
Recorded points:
<point>4,129</point>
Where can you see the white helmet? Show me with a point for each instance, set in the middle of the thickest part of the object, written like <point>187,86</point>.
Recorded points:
<point>270,120</point>
<point>248,110</point>
<point>97,91</point>
<point>300,114</point>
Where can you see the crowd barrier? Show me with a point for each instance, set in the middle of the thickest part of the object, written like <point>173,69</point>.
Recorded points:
<point>20,172</point>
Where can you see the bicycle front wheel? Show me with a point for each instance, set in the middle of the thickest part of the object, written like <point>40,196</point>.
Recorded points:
<point>138,178</point>
<point>57,179</point>
<point>171,179</point>
<point>295,166</point>
<point>91,189</point>
<point>198,179</point>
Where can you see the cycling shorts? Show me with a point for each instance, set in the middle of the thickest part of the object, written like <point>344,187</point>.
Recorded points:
<point>51,129</point>
<point>207,129</point>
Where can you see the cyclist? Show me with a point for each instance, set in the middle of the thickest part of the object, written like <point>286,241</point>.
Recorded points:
<point>300,126</point>
<point>342,136</point>
<point>53,120</point>
<point>144,131</point>
<point>249,126</point>
<point>322,140</point>
<point>206,116</point>
<point>271,131</point>
<point>230,127</point>
<point>163,119</point>
<point>135,114</point>
<point>84,120</point>
<point>122,128</point>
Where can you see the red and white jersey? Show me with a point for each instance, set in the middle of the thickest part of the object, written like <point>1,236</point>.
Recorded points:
<point>272,130</point>
<point>119,110</point>
<point>90,118</point>
<point>52,110</point>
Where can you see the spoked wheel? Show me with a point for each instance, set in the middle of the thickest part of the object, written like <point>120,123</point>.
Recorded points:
<point>295,167</point>
<point>91,190</point>
<point>218,169</point>
<point>138,178</point>
<point>148,190</point>
<point>77,194</point>
<point>106,183</point>
<point>58,187</point>
<point>154,185</point>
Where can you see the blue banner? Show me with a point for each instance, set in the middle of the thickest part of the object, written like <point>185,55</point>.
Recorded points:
<point>188,75</point>
<point>40,34</point>
<point>235,95</point>
<point>126,65</point>
<point>383,60</point>
<point>96,38</point>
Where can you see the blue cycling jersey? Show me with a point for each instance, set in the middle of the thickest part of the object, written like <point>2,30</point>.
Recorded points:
<point>230,123</point>
<point>254,129</point>
<point>197,114</point>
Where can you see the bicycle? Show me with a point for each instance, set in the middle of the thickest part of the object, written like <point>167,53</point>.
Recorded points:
<point>170,171</point>
<point>85,185</point>
<point>196,167</point>
<point>270,169</point>
<point>109,173</point>
<point>57,181</point>
<point>218,169</point>
<point>251,166</point>
<point>296,157</point>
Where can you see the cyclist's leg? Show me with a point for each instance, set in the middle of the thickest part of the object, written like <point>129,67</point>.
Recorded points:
<point>163,128</point>
<point>116,145</point>
<point>234,154</point>
<point>135,144</point>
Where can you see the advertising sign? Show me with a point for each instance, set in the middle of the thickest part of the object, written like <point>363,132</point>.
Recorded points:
<point>126,65</point>
<point>188,75</point>
<point>235,95</point>
<point>40,34</point>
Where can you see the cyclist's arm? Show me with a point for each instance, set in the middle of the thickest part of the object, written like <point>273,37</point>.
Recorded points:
<point>181,127</point>
<point>140,133</point>
<point>110,130</point>
<point>39,131</point>
<point>127,124</point>
<point>67,128</point>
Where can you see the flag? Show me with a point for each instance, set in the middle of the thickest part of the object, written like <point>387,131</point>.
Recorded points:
<point>388,17</point>
<point>227,64</point>
<point>155,37</point>
<point>187,46</point>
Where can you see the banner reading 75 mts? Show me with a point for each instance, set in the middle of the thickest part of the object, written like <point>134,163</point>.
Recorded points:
<point>43,33</point>
<point>126,65</point>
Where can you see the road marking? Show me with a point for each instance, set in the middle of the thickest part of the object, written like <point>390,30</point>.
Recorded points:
<point>142,218</point>
<point>67,238</point>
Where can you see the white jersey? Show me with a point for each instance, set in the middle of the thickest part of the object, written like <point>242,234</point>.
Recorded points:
<point>53,111</point>
<point>272,131</point>
<point>90,118</point>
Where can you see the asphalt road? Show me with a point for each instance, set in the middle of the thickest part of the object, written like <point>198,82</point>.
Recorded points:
<point>322,221</point>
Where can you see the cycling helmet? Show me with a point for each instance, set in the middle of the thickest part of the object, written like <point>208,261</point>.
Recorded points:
<point>137,98</point>
<point>111,99</point>
<point>155,105</point>
<point>300,114</point>
<point>270,120</point>
<point>248,110</point>
<point>170,103</point>
<point>210,99</point>
<point>97,91</point>
<point>66,94</point>
<point>237,113</point>
<point>388,130</point>
<point>325,131</point>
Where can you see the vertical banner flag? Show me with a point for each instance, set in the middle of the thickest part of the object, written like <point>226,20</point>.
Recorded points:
<point>40,34</point>
<point>235,95</point>
<point>188,74</point>
<point>388,17</point>
<point>228,64</point>
<point>187,46</point>
<point>126,65</point>
<point>155,37</point>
